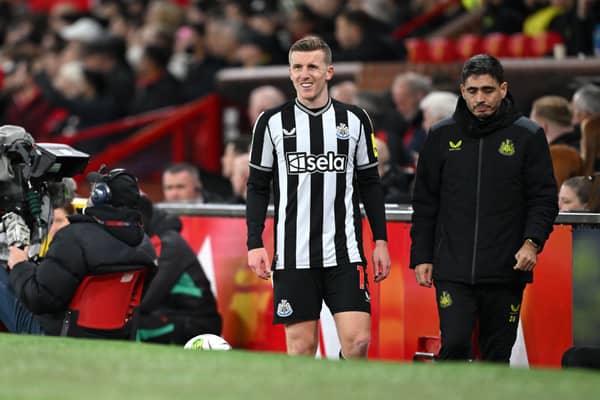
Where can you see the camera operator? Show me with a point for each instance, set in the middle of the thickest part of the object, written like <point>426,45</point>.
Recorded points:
<point>34,297</point>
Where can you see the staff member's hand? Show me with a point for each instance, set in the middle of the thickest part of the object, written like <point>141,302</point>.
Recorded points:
<point>381,260</point>
<point>258,261</point>
<point>423,274</point>
<point>16,255</point>
<point>526,257</point>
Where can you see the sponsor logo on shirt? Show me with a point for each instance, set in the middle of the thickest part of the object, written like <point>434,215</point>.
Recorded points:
<point>299,162</point>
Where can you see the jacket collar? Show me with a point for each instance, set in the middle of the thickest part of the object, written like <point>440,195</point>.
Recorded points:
<point>474,127</point>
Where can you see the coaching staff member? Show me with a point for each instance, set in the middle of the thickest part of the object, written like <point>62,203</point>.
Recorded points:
<point>484,204</point>
<point>318,152</point>
<point>34,297</point>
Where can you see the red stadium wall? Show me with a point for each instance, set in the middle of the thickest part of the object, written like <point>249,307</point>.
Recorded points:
<point>402,310</point>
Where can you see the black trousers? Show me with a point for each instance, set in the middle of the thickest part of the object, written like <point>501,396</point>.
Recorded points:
<point>496,307</point>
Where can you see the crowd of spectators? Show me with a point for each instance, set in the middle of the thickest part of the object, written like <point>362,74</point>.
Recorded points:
<point>69,69</point>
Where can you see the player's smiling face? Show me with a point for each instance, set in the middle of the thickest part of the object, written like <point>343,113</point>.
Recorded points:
<point>310,73</point>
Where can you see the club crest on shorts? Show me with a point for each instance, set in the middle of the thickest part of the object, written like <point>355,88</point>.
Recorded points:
<point>284,309</point>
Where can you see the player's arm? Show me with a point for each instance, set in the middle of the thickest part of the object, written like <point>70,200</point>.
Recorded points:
<point>371,193</point>
<point>257,198</point>
<point>257,202</point>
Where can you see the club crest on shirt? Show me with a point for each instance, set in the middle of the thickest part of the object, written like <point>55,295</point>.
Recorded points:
<point>342,131</point>
<point>284,309</point>
<point>507,148</point>
<point>290,133</point>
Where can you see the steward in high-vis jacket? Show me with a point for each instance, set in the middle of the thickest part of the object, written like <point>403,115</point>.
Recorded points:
<point>484,204</point>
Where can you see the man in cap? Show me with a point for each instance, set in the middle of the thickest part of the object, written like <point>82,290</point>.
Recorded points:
<point>34,297</point>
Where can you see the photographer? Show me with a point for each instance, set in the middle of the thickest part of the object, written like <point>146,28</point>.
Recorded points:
<point>34,297</point>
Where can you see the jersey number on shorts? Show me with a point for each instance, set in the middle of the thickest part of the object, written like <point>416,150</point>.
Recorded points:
<point>361,276</point>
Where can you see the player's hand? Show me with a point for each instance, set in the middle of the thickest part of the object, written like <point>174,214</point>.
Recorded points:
<point>381,260</point>
<point>423,274</point>
<point>16,255</point>
<point>526,257</point>
<point>258,261</point>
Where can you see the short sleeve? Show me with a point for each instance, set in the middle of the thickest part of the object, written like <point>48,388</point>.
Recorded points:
<point>261,150</point>
<point>366,152</point>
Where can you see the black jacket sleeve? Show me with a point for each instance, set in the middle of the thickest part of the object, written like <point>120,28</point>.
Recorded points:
<point>541,195</point>
<point>50,286</point>
<point>426,202</point>
<point>371,193</point>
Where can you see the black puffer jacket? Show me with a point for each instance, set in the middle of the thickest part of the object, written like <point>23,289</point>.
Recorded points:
<point>482,188</point>
<point>76,251</point>
<point>179,303</point>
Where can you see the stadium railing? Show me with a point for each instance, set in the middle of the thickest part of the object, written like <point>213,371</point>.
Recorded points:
<point>192,133</point>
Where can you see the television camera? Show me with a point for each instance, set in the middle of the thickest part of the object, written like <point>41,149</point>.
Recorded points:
<point>26,171</point>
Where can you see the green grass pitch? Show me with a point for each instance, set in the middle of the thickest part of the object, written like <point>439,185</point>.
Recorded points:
<point>64,368</point>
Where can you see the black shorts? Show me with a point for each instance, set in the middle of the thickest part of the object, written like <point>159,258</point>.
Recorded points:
<point>299,293</point>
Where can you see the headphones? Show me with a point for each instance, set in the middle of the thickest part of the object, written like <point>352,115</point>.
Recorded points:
<point>101,193</point>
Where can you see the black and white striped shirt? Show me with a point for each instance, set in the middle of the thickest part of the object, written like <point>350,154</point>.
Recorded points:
<point>316,160</point>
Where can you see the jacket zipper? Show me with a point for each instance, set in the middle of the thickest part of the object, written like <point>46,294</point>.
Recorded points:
<point>477,192</point>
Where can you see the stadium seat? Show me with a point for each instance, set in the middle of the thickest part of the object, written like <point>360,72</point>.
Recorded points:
<point>495,44</point>
<point>104,305</point>
<point>428,348</point>
<point>418,50</point>
<point>543,44</point>
<point>442,50</point>
<point>468,45</point>
<point>520,46</point>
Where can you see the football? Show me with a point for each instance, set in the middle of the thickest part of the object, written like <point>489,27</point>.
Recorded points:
<point>207,342</point>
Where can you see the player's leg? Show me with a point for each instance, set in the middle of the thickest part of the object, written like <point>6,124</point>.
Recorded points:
<point>346,294</point>
<point>500,307</point>
<point>457,311</point>
<point>354,332</point>
<point>302,338</point>
<point>297,299</point>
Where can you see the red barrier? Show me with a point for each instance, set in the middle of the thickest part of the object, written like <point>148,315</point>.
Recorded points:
<point>46,5</point>
<point>420,20</point>
<point>115,127</point>
<point>402,311</point>
<point>194,130</point>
